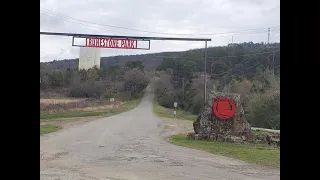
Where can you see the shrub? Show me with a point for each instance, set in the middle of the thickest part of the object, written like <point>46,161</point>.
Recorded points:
<point>91,89</point>
<point>263,110</point>
<point>164,90</point>
<point>166,100</point>
<point>108,95</point>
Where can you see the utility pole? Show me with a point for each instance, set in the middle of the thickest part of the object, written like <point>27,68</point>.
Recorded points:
<point>214,84</point>
<point>268,34</point>
<point>205,72</point>
<point>114,81</point>
<point>183,76</point>
<point>229,90</point>
<point>273,63</point>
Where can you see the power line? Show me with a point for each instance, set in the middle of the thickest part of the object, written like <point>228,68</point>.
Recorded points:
<point>277,36</point>
<point>125,37</point>
<point>210,34</point>
<point>214,57</point>
<point>276,32</point>
<point>248,68</point>
<point>81,23</point>
<point>66,20</point>
<point>237,65</point>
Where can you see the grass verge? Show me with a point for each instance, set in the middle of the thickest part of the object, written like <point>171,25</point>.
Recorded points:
<point>123,108</point>
<point>168,113</point>
<point>254,153</point>
<point>45,129</point>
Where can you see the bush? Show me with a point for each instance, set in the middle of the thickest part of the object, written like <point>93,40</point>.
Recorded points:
<point>164,90</point>
<point>108,95</point>
<point>166,100</point>
<point>263,110</point>
<point>197,103</point>
<point>241,87</point>
<point>125,96</point>
<point>194,97</point>
<point>88,89</point>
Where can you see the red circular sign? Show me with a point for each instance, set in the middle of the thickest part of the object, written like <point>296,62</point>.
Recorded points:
<point>224,107</point>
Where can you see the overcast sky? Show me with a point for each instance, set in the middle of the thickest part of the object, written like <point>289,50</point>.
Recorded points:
<point>220,20</point>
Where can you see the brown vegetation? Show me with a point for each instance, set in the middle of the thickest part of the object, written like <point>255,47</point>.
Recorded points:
<point>49,106</point>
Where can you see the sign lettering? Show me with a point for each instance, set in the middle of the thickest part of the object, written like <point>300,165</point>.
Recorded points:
<point>112,43</point>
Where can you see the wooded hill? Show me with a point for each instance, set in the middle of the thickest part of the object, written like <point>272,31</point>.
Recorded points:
<point>239,57</point>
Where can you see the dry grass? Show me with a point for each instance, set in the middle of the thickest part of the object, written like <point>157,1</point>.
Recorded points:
<point>59,100</point>
<point>99,108</point>
<point>106,112</point>
<point>83,109</point>
<point>65,105</point>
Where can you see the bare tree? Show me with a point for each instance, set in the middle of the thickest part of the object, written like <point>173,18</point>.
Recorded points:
<point>164,89</point>
<point>135,81</point>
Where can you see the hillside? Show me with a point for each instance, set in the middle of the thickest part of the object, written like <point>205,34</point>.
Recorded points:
<point>150,61</point>
<point>153,60</point>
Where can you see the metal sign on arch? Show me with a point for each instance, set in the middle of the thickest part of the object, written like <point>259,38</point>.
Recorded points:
<point>111,43</point>
<point>116,42</point>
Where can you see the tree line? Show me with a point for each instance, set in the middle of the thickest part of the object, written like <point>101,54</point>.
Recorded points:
<point>95,82</point>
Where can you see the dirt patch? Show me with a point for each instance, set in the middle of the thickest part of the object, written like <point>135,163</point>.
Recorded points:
<point>69,122</point>
<point>176,126</point>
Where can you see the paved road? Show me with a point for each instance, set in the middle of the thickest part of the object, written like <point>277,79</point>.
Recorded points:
<point>129,146</point>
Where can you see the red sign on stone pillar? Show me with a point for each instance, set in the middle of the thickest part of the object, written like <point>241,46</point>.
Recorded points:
<point>224,108</point>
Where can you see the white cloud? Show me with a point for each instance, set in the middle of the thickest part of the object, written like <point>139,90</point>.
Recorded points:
<point>166,16</point>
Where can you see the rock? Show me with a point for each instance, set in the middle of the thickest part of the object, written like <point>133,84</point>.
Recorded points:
<point>233,139</point>
<point>193,136</point>
<point>190,136</point>
<point>268,138</point>
<point>208,123</point>
<point>212,137</point>
<point>262,137</point>
<point>196,125</point>
<point>236,139</point>
<point>221,138</point>
<point>227,139</point>
<point>275,139</point>
<point>196,137</point>
<point>243,138</point>
<point>199,136</point>
<point>204,137</point>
